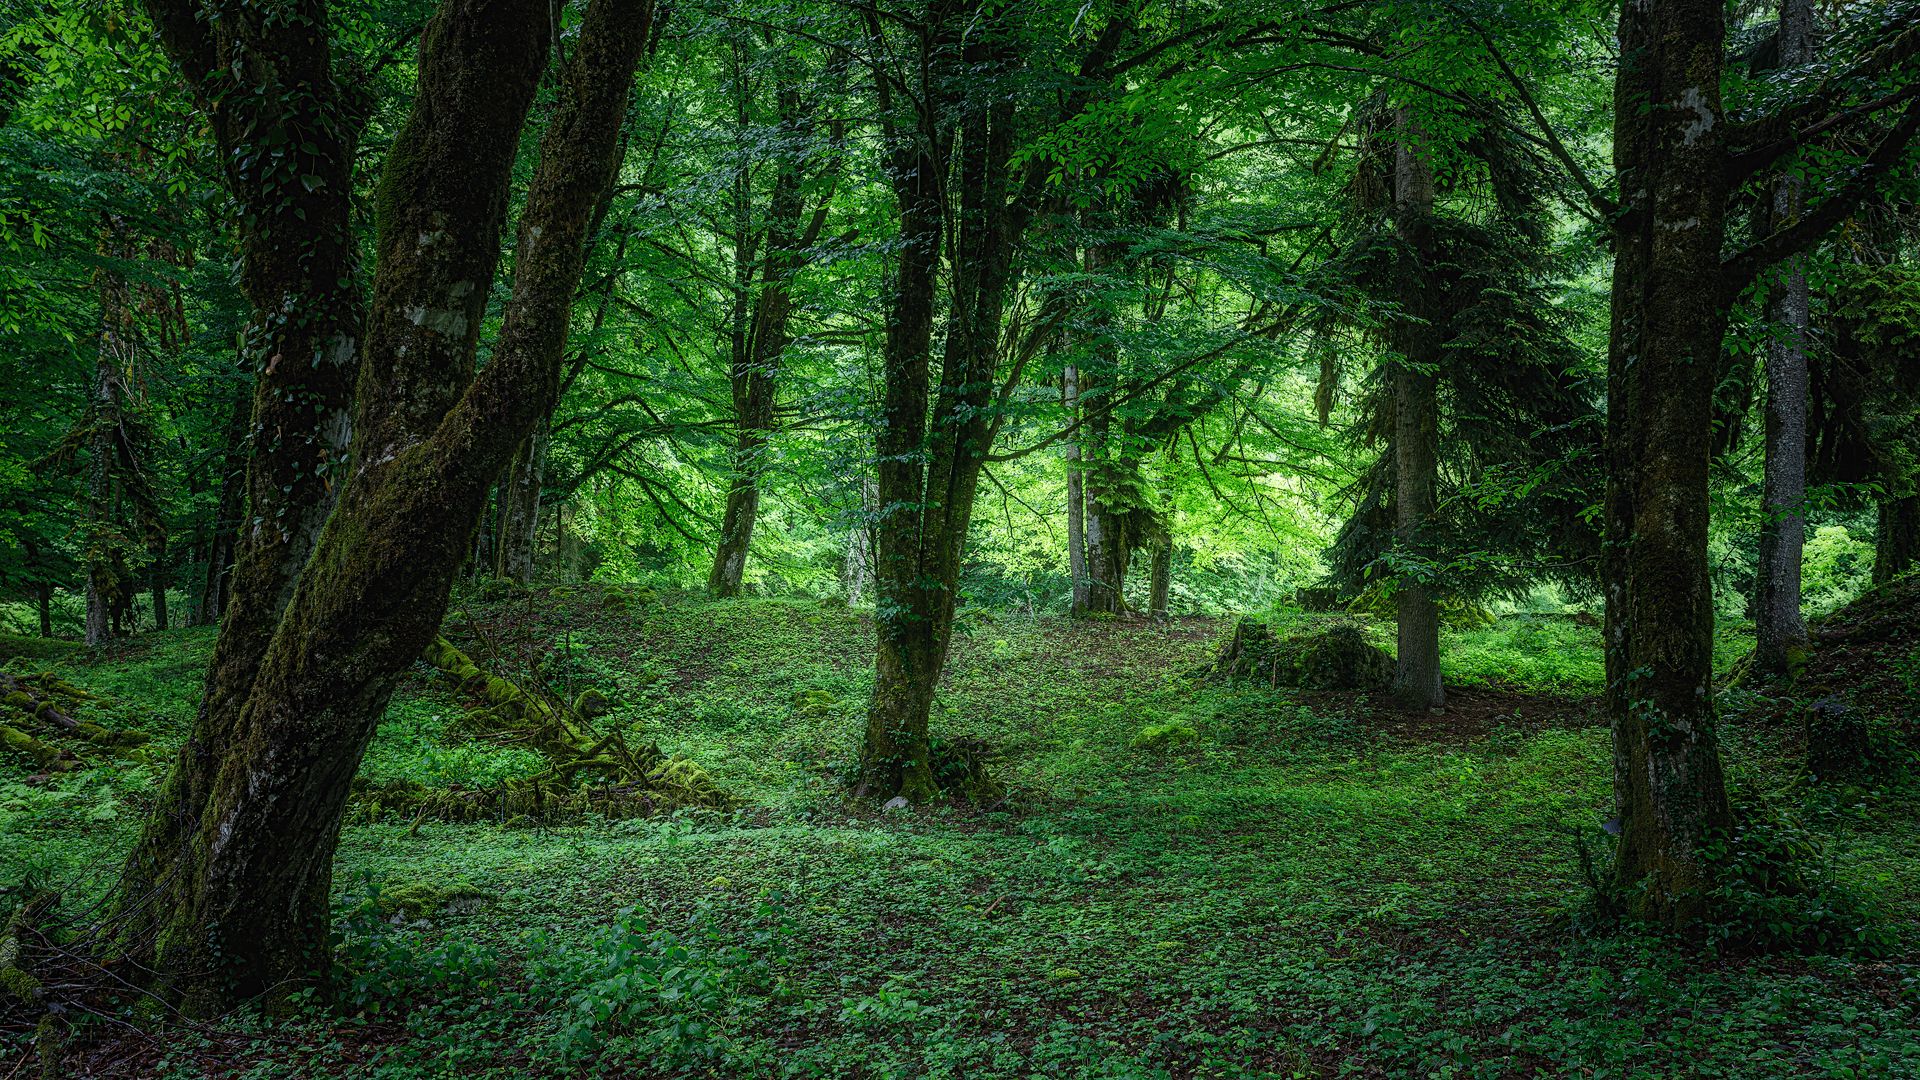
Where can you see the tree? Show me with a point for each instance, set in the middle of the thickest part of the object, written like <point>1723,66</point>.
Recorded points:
<point>955,108</point>
<point>1780,631</point>
<point>226,894</point>
<point>1676,160</point>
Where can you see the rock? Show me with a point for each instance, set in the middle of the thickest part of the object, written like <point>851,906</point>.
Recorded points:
<point>898,802</point>
<point>1338,657</point>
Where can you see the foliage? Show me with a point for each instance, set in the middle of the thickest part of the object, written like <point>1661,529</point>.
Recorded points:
<point>1304,881</point>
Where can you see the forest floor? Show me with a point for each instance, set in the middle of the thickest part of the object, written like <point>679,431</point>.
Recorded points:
<point>1275,884</point>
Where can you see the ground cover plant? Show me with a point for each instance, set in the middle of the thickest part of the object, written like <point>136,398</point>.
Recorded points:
<point>1299,883</point>
<point>1111,538</point>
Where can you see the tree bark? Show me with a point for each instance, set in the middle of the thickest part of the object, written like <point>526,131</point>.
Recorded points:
<point>1162,580</point>
<point>263,77</point>
<point>227,513</point>
<point>1667,324</point>
<point>756,360</point>
<point>860,545</point>
<point>1896,537</point>
<point>237,894</point>
<point>1076,497</point>
<point>105,584</point>
<point>1780,631</point>
<point>1416,423</point>
<point>157,579</point>
<point>519,520</point>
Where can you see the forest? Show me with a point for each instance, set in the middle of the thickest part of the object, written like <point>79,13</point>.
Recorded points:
<point>1120,540</point>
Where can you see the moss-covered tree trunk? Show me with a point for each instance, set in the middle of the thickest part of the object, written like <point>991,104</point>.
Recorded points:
<point>1416,424</point>
<point>932,447</point>
<point>1669,789</point>
<point>227,897</point>
<point>263,77</point>
<point>1780,631</point>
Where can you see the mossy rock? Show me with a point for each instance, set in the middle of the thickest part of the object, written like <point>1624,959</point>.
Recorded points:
<point>1337,657</point>
<point>590,703</point>
<point>419,899</point>
<point>1163,735</point>
<point>814,704</point>
<point>625,599</point>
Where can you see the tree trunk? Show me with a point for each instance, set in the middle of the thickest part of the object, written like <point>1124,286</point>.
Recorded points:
<point>227,513</point>
<point>1416,423</point>
<point>104,584</point>
<point>1780,631</point>
<point>1076,497</point>
<point>259,74</point>
<point>43,596</point>
<point>756,364</point>
<point>895,753</point>
<point>860,545</point>
<point>237,895</point>
<point>100,583</point>
<point>1162,580</point>
<point>1896,537</point>
<point>519,520</point>
<point>926,509</point>
<point>1667,323</point>
<point>157,580</point>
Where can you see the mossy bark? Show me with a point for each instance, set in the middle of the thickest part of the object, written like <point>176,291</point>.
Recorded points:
<point>1667,324</point>
<point>227,894</point>
<point>519,498</point>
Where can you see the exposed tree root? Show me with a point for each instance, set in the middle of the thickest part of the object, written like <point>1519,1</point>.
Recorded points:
<point>43,701</point>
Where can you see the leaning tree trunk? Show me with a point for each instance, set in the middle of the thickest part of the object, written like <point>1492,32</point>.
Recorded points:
<point>245,907</point>
<point>1667,322</point>
<point>261,74</point>
<point>1780,631</point>
<point>757,357</point>
<point>1896,537</point>
<point>1416,422</point>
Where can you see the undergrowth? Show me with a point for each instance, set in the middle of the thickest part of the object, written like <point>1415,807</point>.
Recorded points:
<point>1189,877</point>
